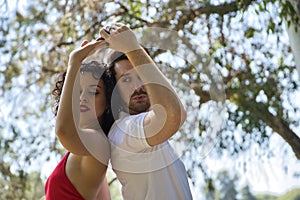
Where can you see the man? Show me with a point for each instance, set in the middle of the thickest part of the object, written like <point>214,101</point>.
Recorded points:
<point>145,163</point>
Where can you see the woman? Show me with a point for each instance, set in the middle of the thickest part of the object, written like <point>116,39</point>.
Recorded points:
<point>83,122</point>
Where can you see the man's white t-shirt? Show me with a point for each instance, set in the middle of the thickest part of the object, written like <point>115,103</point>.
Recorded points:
<point>145,172</point>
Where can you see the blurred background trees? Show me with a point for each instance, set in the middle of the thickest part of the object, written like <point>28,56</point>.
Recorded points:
<point>243,43</point>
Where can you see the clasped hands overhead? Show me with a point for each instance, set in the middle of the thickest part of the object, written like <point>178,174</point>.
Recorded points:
<point>119,37</point>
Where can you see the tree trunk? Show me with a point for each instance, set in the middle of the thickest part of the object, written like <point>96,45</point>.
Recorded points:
<point>294,35</point>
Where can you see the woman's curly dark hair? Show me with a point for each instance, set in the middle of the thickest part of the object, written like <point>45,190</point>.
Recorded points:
<point>99,72</point>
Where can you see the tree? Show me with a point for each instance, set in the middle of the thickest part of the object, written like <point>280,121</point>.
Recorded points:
<point>227,186</point>
<point>293,26</point>
<point>246,194</point>
<point>209,189</point>
<point>224,187</point>
<point>243,39</point>
<point>24,186</point>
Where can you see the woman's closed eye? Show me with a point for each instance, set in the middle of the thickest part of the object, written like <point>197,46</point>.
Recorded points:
<point>94,93</point>
<point>94,90</point>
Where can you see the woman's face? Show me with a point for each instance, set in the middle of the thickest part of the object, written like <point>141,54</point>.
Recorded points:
<point>92,99</point>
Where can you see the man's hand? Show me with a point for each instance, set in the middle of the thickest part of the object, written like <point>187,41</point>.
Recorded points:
<point>120,38</point>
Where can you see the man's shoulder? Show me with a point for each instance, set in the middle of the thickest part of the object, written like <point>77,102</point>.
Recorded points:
<point>130,125</point>
<point>125,117</point>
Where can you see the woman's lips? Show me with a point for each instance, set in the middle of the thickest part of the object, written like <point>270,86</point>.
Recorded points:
<point>84,108</point>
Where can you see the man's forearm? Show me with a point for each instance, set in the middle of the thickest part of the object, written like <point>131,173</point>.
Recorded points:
<point>159,89</point>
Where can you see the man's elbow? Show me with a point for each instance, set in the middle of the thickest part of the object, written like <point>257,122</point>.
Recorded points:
<point>178,118</point>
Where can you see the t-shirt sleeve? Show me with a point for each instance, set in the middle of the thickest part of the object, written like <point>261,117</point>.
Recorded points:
<point>130,151</point>
<point>128,133</point>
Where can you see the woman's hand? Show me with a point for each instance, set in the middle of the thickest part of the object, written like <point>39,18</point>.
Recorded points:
<point>79,54</point>
<point>120,38</point>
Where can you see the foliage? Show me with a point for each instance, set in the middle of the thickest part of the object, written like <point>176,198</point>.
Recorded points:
<point>266,197</point>
<point>224,187</point>
<point>246,194</point>
<point>294,194</point>
<point>291,195</point>
<point>24,186</point>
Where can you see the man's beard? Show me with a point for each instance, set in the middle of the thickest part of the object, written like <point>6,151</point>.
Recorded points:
<point>136,108</point>
<point>139,107</point>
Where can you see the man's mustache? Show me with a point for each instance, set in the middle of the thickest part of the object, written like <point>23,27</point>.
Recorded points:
<point>139,92</point>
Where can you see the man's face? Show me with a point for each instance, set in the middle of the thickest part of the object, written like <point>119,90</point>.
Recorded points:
<point>131,88</point>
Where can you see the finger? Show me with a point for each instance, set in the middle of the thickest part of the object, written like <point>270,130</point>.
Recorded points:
<point>107,29</point>
<point>104,34</point>
<point>112,27</point>
<point>114,32</point>
<point>90,46</point>
<point>121,27</point>
<point>84,42</point>
<point>93,44</point>
<point>119,24</point>
<point>99,39</point>
<point>102,44</point>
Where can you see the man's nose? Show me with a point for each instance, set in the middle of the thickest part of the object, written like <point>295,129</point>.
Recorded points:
<point>138,85</point>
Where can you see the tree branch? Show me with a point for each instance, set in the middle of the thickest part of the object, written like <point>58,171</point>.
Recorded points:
<point>112,181</point>
<point>278,125</point>
<point>223,8</point>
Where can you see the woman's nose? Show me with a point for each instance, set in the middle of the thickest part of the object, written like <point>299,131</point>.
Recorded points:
<point>83,97</point>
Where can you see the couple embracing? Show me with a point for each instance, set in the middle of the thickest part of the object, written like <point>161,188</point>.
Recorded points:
<point>124,111</point>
